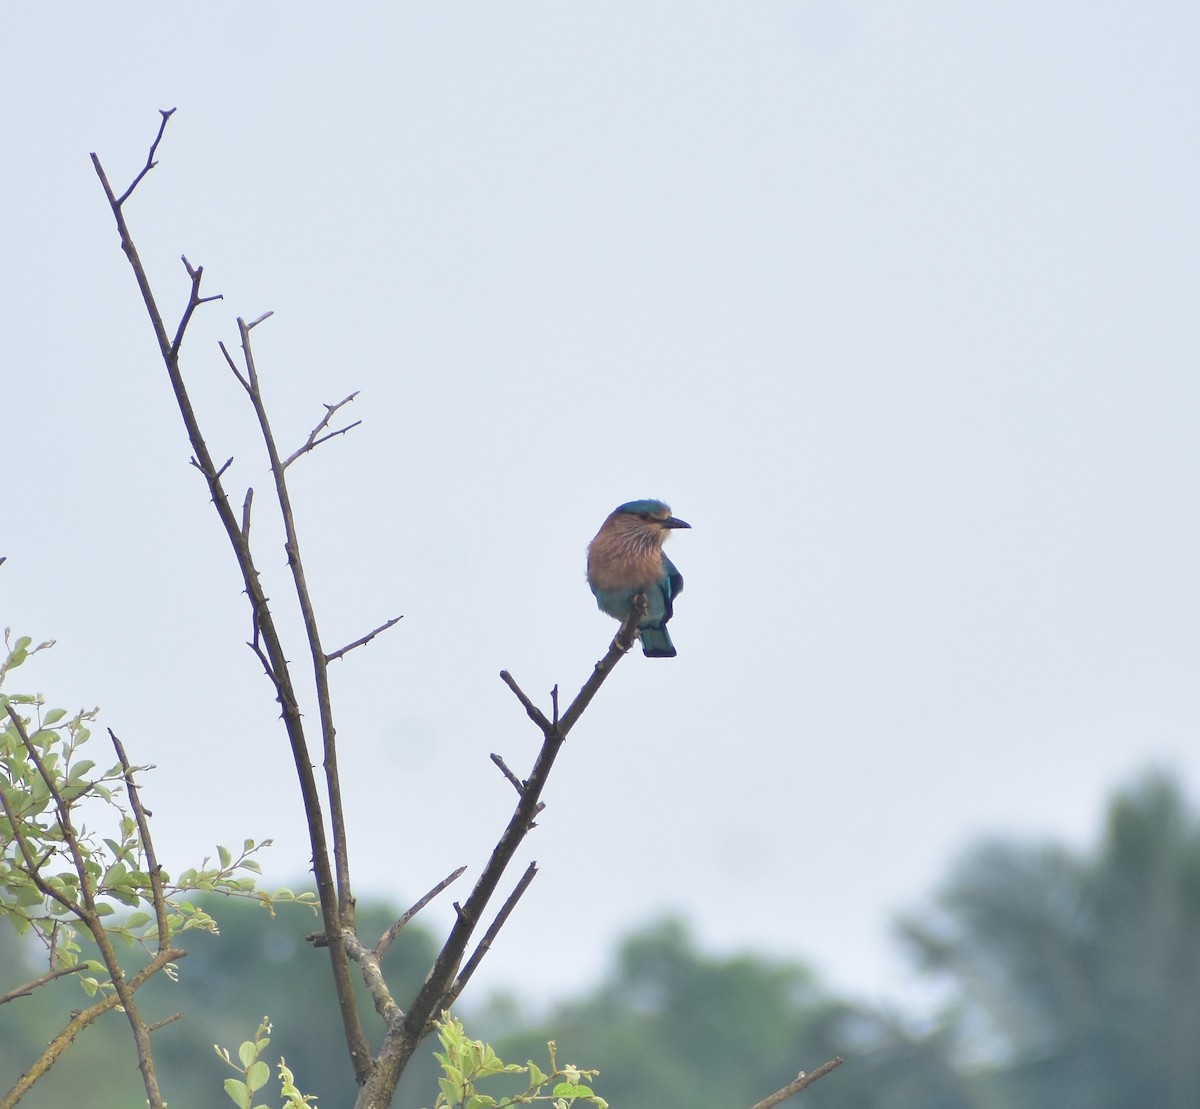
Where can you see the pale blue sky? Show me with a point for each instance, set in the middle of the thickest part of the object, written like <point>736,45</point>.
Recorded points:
<point>895,303</point>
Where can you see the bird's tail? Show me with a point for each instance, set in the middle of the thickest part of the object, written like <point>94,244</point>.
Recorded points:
<point>656,643</point>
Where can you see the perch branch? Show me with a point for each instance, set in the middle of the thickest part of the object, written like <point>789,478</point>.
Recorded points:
<point>403,1038</point>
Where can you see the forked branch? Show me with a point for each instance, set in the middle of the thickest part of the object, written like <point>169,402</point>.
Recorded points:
<point>267,640</point>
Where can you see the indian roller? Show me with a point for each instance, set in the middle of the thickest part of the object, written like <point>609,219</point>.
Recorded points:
<point>626,558</point>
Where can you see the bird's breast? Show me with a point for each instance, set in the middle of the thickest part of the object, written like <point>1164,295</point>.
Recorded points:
<point>610,570</point>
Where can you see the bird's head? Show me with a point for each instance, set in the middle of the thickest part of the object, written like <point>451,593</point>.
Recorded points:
<point>648,521</point>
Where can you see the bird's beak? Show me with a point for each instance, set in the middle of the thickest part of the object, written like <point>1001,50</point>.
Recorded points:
<point>674,522</point>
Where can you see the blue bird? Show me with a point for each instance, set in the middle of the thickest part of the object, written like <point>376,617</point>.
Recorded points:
<point>626,558</point>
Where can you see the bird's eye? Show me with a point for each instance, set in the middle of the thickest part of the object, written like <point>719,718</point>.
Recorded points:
<point>644,515</point>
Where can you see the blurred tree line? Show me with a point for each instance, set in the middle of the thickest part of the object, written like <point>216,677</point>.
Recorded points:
<point>1066,979</point>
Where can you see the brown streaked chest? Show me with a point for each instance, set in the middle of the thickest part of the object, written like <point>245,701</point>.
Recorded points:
<point>616,562</point>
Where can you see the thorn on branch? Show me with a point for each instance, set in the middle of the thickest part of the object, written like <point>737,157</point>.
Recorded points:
<point>363,640</point>
<point>315,438</point>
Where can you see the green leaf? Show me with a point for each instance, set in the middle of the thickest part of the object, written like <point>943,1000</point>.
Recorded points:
<point>248,1052</point>
<point>570,1089</point>
<point>238,1093</point>
<point>225,855</point>
<point>257,1075</point>
<point>53,717</point>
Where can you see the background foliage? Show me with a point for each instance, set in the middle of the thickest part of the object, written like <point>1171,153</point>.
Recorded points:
<point>1067,979</point>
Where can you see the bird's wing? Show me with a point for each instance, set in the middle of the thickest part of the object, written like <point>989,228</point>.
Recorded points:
<point>671,586</point>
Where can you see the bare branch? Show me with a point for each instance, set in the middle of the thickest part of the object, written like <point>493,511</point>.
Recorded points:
<point>196,273</point>
<point>27,988</point>
<point>386,940</point>
<point>799,1083</point>
<point>246,512</point>
<point>377,987</point>
<point>344,908</point>
<point>315,438</point>
<point>402,1039</point>
<point>489,937</point>
<point>336,902</point>
<point>233,365</point>
<point>517,784</point>
<point>150,162</point>
<point>363,640</point>
<point>164,1022</point>
<point>535,714</point>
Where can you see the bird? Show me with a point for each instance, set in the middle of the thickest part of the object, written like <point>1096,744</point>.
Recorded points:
<point>626,558</point>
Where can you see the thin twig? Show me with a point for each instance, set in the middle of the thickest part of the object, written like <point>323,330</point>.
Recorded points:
<point>164,1022</point>
<point>363,640</point>
<point>150,162</point>
<point>233,365</point>
<point>28,988</point>
<point>196,274</point>
<point>517,784</point>
<point>535,713</point>
<point>386,940</point>
<point>799,1083</point>
<point>315,438</point>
